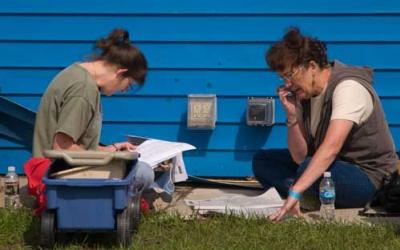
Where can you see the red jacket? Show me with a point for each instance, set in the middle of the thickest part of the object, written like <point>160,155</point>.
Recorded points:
<point>35,169</point>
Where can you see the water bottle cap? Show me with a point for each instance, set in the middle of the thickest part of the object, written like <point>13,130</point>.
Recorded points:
<point>327,174</point>
<point>11,169</point>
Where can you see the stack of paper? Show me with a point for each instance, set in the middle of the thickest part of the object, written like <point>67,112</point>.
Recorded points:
<point>153,152</point>
<point>262,205</point>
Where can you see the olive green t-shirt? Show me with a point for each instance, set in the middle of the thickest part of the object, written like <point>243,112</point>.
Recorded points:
<point>70,105</point>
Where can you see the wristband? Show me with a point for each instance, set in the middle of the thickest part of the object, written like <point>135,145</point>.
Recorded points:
<point>115,146</point>
<point>294,194</point>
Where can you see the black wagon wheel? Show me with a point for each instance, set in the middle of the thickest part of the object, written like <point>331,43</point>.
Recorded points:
<point>124,227</point>
<point>47,229</point>
<point>135,211</point>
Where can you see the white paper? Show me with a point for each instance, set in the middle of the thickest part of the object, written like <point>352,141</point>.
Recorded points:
<point>153,152</point>
<point>262,205</point>
<point>180,173</point>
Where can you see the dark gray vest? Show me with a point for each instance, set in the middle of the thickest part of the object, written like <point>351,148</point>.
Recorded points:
<point>370,144</point>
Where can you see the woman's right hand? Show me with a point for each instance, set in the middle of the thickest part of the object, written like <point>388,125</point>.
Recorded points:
<point>288,100</point>
<point>124,146</point>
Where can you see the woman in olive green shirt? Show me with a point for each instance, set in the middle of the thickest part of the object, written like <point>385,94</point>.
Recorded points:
<point>70,116</point>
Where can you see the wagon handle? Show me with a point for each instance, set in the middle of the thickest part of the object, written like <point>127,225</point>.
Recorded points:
<point>92,158</point>
<point>82,161</point>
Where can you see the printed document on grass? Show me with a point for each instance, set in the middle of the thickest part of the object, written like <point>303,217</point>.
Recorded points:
<point>154,151</point>
<point>261,205</point>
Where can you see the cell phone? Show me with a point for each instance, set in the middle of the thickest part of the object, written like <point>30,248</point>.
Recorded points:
<point>288,94</point>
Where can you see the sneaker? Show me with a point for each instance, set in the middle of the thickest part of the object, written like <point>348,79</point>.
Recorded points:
<point>154,193</point>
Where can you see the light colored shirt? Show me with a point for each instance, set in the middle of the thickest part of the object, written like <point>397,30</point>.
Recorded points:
<point>350,101</point>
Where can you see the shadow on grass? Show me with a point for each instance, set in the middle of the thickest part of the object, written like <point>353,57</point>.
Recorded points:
<point>104,240</point>
<point>32,234</point>
<point>80,240</point>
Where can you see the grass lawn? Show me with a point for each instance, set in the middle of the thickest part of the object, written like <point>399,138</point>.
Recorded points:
<point>20,230</point>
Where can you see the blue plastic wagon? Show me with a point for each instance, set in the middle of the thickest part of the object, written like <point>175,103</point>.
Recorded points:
<point>91,191</point>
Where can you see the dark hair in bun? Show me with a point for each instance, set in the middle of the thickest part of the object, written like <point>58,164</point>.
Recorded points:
<point>118,49</point>
<point>296,49</point>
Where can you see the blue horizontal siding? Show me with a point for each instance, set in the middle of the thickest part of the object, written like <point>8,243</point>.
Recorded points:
<point>191,55</point>
<point>199,28</point>
<point>210,162</point>
<point>173,109</point>
<point>225,136</point>
<point>180,82</point>
<point>176,7</point>
<point>192,46</point>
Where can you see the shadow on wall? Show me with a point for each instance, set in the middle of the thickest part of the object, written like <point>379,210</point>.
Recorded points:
<point>13,130</point>
<point>17,123</point>
<point>250,139</point>
<point>198,138</point>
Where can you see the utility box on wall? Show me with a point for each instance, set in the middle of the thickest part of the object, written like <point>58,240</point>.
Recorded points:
<point>260,111</point>
<point>202,111</point>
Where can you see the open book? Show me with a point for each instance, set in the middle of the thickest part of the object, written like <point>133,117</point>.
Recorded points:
<point>154,151</point>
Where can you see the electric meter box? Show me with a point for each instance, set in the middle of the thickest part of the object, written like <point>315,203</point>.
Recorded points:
<point>260,111</point>
<point>202,111</point>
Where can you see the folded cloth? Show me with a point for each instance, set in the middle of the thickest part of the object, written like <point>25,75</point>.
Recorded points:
<point>35,169</point>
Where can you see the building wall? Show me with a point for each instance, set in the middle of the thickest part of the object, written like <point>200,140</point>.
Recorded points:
<point>193,47</point>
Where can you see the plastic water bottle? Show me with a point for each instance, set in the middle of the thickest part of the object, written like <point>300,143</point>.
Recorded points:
<point>327,197</point>
<point>11,188</point>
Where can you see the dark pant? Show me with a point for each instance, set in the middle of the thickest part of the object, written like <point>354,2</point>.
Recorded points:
<point>275,168</point>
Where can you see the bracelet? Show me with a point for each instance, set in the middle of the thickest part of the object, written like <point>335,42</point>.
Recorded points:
<point>115,146</point>
<point>291,124</point>
<point>294,194</point>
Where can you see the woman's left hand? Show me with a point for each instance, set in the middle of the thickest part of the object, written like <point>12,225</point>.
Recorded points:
<point>291,205</point>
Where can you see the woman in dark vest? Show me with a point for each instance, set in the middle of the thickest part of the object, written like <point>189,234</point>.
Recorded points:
<point>335,123</point>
